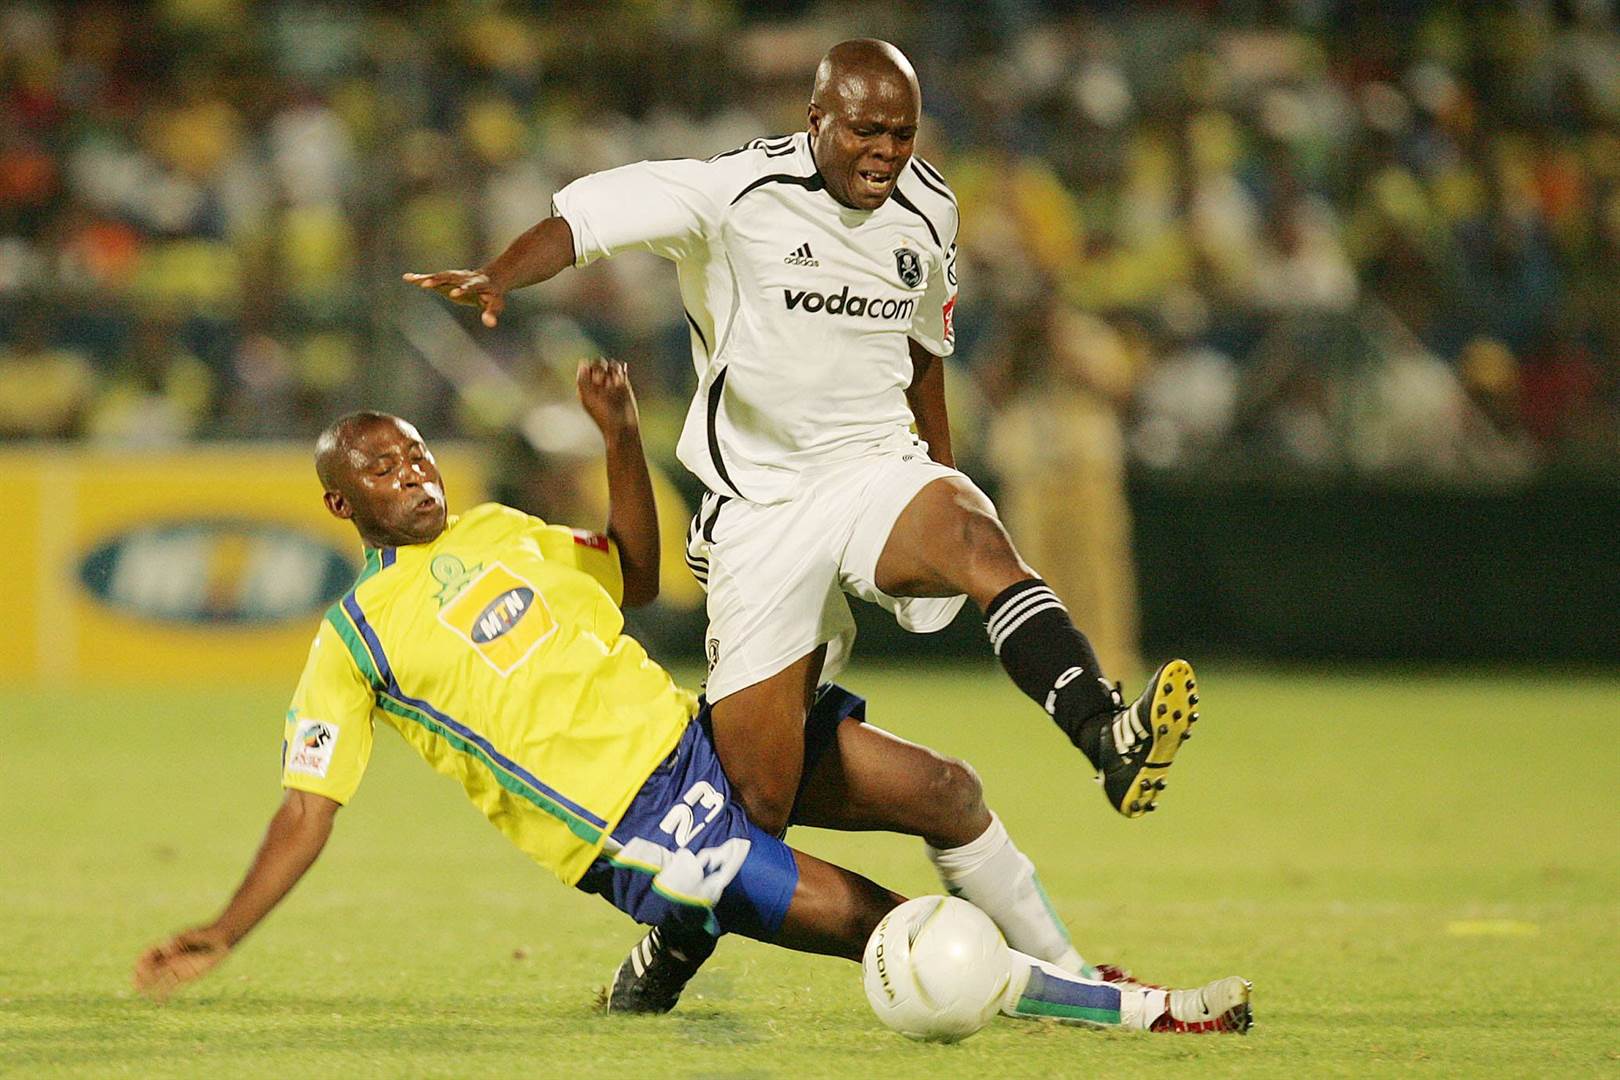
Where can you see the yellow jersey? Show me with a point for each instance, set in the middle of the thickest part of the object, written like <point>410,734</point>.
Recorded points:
<point>497,651</point>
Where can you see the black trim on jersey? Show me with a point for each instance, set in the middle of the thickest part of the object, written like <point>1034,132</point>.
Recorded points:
<point>935,173</point>
<point>773,148</point>
<point>698,330</point>
<point>809,183</point>
<point>716,388</point>
<point>708,526</point>
<point>900,197</point>
<point>937,189</point>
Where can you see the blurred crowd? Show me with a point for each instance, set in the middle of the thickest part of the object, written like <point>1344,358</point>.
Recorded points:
<point>1309,237</point>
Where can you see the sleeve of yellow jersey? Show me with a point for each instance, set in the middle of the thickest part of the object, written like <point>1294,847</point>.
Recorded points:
<point>588,551</point>
<point>327,741</point>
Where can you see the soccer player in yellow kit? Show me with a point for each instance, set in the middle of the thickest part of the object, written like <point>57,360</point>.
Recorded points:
<point>492,642</point>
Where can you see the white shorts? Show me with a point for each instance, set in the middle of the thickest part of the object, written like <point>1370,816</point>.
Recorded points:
<point>776,575</point>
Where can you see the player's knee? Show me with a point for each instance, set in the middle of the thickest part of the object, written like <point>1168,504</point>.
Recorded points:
<point>966,791</point>
<point>953,799</point>
<point>983,534</point>
<point>768,801</point>
<point>985,542</point>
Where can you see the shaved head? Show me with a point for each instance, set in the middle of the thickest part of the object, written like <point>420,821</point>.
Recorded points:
<point>863,116</point>
<point>861,66</point>
<point>378,473</point>
<point>335,445</point>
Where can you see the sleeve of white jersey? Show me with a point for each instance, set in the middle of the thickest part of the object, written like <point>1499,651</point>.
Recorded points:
<point>665,207</point>
<point>932,326</point>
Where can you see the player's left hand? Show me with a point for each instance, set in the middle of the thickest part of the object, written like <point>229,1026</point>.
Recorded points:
<point>604,390</point>
<point>184,958</point>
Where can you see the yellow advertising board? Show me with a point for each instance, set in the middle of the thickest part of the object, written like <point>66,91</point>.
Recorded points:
<point>202,564</point>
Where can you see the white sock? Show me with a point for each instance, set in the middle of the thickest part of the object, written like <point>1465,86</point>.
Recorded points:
<point>994,876</point>
<point>1039,990</point>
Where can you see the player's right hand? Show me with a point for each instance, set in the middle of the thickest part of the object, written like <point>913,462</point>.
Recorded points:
<point>604,390</point>
<point>184,958</point>
<point>470,287</point>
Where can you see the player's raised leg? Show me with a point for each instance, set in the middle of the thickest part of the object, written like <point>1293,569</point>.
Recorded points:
<point>949,540</point>
<point>864,778</point>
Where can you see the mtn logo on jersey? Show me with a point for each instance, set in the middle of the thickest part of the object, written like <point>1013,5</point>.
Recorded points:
<point>801,257</point>
<point>502,616</point>
<point>841,303</point>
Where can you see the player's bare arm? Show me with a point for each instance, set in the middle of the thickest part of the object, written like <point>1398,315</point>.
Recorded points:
<point>537,255</point>
<point>604,390</point>
<point>926,396</point>
<point>294,839</point>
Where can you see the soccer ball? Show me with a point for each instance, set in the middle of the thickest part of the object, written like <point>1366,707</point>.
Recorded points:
<point>936,968</point>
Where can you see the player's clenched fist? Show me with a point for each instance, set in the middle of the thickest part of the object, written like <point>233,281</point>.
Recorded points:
<point>471,287</point>
<point>604,390</point>
<point>184,958</point>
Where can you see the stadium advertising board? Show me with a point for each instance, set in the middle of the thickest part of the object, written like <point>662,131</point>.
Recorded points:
<point>207,564</point>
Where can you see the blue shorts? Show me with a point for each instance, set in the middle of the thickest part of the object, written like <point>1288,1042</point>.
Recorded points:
<point>686,856</point>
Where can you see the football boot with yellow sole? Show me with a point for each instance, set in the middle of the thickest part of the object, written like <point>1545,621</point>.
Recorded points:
<point>1139,743</point>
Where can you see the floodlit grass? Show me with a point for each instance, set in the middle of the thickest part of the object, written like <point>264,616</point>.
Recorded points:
<point>1421,874</point>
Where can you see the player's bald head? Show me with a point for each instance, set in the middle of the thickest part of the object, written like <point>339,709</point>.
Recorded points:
<point>336,452</point>
<point>861,68</point>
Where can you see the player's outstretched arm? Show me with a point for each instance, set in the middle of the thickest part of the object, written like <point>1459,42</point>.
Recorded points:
<point>295,837</point>
<point>604,390</point>
<point>926,396</point>
<point>541,253</point>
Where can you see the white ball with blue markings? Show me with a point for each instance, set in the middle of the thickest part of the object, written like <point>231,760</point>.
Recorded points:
<point>936,968</point>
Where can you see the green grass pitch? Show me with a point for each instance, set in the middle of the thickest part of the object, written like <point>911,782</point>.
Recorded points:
<point>1421,874</point>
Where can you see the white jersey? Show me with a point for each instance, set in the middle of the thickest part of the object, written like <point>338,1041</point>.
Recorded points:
<point>799,307</point>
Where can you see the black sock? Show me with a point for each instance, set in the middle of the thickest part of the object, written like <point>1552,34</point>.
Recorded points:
<point>689,944</point>
<point>1051,661</point>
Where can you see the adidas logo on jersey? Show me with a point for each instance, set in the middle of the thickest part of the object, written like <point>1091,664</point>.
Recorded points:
<point>801,257</point>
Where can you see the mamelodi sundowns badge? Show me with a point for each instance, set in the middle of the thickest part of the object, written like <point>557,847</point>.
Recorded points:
<point>501,616</point>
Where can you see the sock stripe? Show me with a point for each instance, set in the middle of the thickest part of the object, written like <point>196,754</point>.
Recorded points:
<point>1010,607</point>
<point>1043,603</point>
<point>1069,998</point>
<point>1042,659</point>
<point>1054,604</point>
<point>997,622</point>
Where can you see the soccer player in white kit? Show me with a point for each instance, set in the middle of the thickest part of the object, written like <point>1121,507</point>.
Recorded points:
<point>818,275</point>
